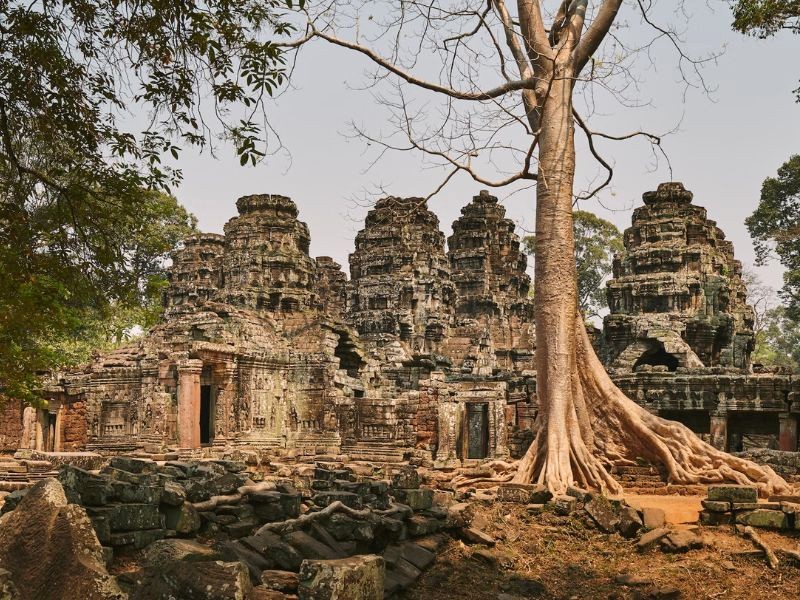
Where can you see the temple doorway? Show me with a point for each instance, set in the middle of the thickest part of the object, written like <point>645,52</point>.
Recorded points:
<point>477,429</point>
<point>206,415</point>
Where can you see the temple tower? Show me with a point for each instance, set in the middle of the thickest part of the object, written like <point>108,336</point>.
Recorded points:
<point>266,264</point>
<point>196,271</point>
<point>400,277</point>
<point>676,298</point>
<point>493,311</point>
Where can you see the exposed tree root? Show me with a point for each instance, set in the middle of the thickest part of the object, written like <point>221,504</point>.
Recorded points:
<point>772,560</point>
<point>282,527</point>
<point>606,428</point>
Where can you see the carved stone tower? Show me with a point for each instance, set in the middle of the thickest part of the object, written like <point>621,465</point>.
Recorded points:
<point>401,288</point>
<point>196,271</point>
<point>676,298</point>
<point>266,265</point>
<point>493,312</point>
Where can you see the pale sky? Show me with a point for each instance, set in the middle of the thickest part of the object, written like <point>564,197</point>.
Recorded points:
<point>725,147</point>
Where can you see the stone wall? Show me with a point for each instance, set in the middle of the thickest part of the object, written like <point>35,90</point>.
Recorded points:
<point>10,424</point>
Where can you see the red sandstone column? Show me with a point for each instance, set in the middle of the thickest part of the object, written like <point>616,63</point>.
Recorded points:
<point>787,432</point>
<point>719,430</point>
<point>189,403</point>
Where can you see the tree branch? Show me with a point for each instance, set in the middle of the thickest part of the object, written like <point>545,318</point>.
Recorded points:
<point>596,33</point>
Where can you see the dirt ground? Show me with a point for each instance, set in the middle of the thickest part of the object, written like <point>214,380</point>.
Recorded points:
<point>547,556</point>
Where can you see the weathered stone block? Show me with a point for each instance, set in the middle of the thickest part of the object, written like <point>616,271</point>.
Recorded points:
<point>564,505</point>
<point>716,506</point>
<point>417,499</point>
<point>523,493</point>
<point>733,493</point>
<point>715,518</point>
<point>173,494</point>
<point>603,513</point>
<point>282,581</point>
<point>773,519</point>
<point>309,547</point>
<point>323,499</point>
<point>649,539</point>
<point>183,519</point>
<point>355,578</point>
<point>653,518</point>
<point>129,517</point>
<point>629,522</point>
<point>420,525</point>
<point>137,539</point>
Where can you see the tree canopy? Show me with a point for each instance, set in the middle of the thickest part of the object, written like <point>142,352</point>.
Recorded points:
<point>97,99</point>
<point>765,18</point>
<point>778,341</point>
<point>596,243</point>
<point>775,229</point>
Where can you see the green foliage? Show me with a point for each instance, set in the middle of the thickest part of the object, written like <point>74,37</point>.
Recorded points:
<point>765,18</point>
<point>596,243</point>
<point>778,342</point>
<point>72,285</point>
<point>775,229</point>
<point>82,241</point>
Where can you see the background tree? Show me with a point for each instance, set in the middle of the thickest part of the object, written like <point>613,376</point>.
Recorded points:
<point>97,98</point>
<point>506,79</point>
<point>58,303</point>
<point>775,229</point>
<point>778,341</point>
<point>596,243</point>
<point>765,18</point>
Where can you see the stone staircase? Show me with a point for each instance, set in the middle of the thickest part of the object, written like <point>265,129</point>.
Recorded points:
<point>375,452</point>
<point>17,475</point>
<point>652,480</point>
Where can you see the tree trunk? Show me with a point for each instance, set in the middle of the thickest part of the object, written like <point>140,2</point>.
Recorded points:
<point>585,423</point>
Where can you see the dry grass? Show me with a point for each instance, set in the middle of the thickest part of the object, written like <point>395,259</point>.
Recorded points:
<point>546,556</point>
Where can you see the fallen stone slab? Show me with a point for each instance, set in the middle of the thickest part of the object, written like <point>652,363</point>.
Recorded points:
<point>282,581</point>
<point>681,541</point>
<point>629,522</point>
<point>309,547</point>
<point>564,505</point>
<point>716,506</point>
<point>771,519</point>
<point>205,580</point>
<point>51,551</point>
<point>603,513</point>
<point>523,493</point>
<point>472,535</point>
<point>653,518</point>
<point>354,578</point>
<point>651,538</point>
<point>164,551</point>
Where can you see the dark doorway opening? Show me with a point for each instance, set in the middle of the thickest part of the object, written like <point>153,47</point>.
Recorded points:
<point>657,357</point>
<point>205,414</point>
<point>477,430</point>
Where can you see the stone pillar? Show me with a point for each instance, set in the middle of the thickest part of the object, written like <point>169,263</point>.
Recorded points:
<point>719,430</point>
<point>189,403</point>
<point>223,404</point>
<point>787,436</point>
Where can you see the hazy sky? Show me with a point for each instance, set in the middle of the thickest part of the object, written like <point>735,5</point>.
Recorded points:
<point>726,145</point>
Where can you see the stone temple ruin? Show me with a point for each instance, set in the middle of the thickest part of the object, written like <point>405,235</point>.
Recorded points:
<point>427,348</point>
<point>679,334</point>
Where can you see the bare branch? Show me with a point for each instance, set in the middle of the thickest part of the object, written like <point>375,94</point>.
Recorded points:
<point>596,33</point>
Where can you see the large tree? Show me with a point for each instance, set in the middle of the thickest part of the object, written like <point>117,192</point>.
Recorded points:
<point>509,74</point>
<point>596,243</point>
<point>775,229</point>
<point>97,98</point>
